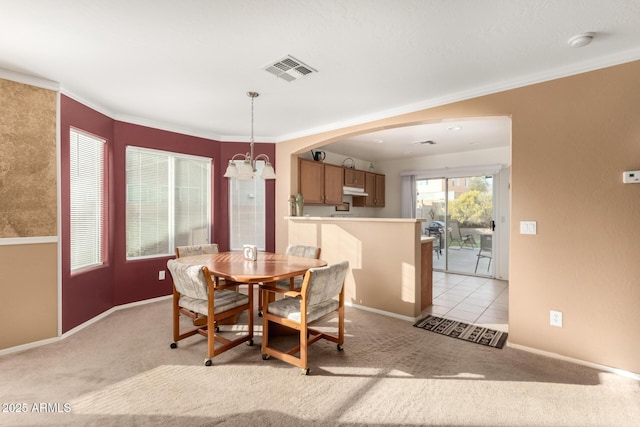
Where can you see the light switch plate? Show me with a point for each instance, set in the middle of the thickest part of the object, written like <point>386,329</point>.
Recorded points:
<point>528,227</point>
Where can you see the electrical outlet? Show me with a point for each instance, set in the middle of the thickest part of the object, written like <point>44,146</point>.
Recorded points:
<point>555,318</point>
<point>161,275</point>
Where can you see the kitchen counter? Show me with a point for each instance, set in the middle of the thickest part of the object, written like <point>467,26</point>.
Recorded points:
<point>355,219</point>
<point>390,261</point>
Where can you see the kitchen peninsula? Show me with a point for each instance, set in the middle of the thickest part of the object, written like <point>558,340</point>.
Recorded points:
<point>390,261</point>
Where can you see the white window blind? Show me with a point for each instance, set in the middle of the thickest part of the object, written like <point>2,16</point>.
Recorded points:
<point>87,204</point>
<point>192,179</point>
<point>247,203</point>
<point>167,201</point>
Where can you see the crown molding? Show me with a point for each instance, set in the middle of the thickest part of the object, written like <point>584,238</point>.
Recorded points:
<point>522,81</point>
<point>29,80</point>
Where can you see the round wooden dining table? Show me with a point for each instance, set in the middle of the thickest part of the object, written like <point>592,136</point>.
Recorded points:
<point>268,267</point>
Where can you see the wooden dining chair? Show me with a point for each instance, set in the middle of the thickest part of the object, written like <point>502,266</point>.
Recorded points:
<point>209,248</point>
<point>293,282</point>
<point>321,294</point>
<point>195,291</point>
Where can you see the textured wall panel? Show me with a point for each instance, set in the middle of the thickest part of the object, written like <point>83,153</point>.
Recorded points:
<point>27,161</point>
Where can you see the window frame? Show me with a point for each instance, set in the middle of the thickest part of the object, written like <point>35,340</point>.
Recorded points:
<point>171,192</point>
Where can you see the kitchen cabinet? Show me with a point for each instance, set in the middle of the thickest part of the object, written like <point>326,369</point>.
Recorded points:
<point>320,183</point>
<point>374,186</point>
<point>354,178</point>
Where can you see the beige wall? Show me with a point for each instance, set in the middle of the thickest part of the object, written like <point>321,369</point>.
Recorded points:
<point>375,262</point>
<point>29,286</point>
<point>571,140</point>
<point>28,209</point>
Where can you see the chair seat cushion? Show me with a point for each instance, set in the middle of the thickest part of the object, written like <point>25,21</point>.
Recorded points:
<point>224,300</point>
<point>290,309</point>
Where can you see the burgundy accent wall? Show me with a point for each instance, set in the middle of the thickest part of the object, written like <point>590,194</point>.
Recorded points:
<point>90,293</point>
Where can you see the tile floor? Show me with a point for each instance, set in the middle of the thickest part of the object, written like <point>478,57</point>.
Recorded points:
<point>471,299</point>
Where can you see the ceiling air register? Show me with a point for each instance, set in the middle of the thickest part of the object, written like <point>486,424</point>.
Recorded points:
<point>289,69</point>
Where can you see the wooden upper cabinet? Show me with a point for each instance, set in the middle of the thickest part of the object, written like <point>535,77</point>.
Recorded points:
<point>333,178</point>
<point>380,190</point>
<point>310,181</point>
<point>354,178</point>
<point>374,186</point>
<point>319,183</point>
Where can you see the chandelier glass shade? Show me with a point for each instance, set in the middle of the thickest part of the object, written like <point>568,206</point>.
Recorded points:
<point>247,168</point>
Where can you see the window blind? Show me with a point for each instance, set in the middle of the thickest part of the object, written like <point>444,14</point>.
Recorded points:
<point>247,217</point>
<point>167,201</point>
<point>87,199</point>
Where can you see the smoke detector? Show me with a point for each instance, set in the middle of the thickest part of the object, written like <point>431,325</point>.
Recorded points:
<point>289,69</point>
<point>581,39</point>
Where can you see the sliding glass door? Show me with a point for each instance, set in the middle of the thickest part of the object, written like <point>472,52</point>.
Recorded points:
<point>459,213</point>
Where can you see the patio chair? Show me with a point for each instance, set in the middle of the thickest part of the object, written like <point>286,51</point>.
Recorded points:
<point>464,240</point>
<point>315,300</point>
<point>486,249</point>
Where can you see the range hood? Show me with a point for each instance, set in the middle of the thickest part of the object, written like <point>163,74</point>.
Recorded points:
<point>353,191</point>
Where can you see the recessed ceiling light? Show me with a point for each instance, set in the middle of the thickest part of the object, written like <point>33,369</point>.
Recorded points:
<point>378,141</point>
<point>455,128</point>
<point>581,39</point>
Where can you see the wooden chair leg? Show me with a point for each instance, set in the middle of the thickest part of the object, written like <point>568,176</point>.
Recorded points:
<point>250,313</point>
<point>304,347</point>
<point>176,318</point>
<point>265,324</point>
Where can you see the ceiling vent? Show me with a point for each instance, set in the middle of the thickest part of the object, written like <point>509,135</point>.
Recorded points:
<point>289,69</point>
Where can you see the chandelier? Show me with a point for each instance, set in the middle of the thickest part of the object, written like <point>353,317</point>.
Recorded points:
<point>247,169</point>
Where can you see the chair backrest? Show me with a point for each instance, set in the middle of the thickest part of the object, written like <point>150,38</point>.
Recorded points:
<point>455,230</point>
<point>188,279</point>
<point>211,248</point>
<point>303,251</point>
<point>324,283</point>
<point>486,242</point>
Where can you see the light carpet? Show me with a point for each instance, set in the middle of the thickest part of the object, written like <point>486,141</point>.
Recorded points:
<point>120,371</point>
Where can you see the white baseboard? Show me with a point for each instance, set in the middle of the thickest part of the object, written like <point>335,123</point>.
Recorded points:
<point>79,327</point>
<point>382,312</point>
<point>28,346</point>
<point>597,366</point>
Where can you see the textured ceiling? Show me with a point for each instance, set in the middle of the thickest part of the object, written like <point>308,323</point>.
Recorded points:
<point>186,65</point>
